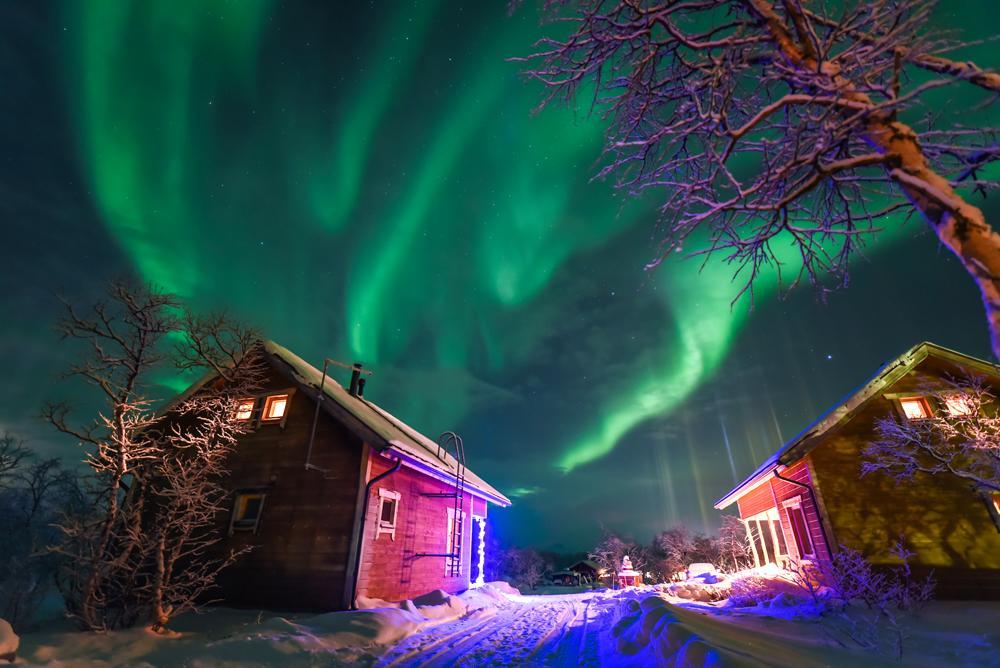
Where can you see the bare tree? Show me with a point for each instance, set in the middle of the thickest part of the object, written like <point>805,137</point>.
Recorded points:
<point>525,566</point>
<point>31,492</point>
<point>141,546</point>
<point>961,440</point>
<point>104,545</point>
<point>734,545</point>
<point>780,122</point>
<point>677,547</point>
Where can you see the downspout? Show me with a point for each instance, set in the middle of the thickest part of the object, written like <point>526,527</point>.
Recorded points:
<point>361,538</point>
<point>812,496</point>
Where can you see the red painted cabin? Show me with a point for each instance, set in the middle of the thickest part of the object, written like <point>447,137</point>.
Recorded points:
<point>809,498</point>
<point>364,507</point>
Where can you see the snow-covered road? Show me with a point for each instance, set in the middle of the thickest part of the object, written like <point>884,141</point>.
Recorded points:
<point>559,631</point>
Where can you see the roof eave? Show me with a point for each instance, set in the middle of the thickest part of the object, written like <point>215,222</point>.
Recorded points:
<point>432,471</point>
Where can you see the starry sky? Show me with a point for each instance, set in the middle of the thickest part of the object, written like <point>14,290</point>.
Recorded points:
<point>367,181</point>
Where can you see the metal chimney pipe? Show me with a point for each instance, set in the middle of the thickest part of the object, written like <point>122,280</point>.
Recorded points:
<point>355,377</point>
<point>361,387</point>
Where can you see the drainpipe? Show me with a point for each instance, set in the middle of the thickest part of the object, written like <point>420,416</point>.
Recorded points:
<point>812,496</point>
<point>361,538</point>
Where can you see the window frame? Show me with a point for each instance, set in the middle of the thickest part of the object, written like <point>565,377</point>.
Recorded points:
<point>928,409</point>
<point>795,503</point>
<point>271,399</point>
<point>777,543</point>
<point>240,497</point>
<point>241,402</point>
<point>382,526</point>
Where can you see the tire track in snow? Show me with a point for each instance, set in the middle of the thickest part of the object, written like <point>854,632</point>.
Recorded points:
<point>530,631</point>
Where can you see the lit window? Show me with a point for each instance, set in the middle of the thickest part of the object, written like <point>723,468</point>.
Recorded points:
<point>915,408</point>
<point>959,405</point>
<point>244,410</point>
<point>388,507</point>
<point>246,511</point>
<point>274,407</point>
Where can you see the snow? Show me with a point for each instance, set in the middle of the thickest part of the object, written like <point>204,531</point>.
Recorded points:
<point>8,640</point>
<point>495,625</point>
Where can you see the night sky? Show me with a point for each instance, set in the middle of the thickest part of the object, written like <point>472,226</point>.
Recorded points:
<point>367,181</point>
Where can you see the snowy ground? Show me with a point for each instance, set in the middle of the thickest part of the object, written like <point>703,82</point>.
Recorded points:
<point>493,627</point>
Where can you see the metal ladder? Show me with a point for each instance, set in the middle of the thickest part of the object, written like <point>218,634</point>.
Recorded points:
<point>450,443</point>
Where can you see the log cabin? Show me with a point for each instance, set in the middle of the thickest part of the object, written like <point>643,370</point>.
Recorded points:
<point>341,500</point>
<point>809,498</point>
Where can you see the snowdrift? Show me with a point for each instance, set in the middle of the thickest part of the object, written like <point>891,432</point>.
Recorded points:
<point>651,631</point>
<point>376,623</point>
<point>8,641</point>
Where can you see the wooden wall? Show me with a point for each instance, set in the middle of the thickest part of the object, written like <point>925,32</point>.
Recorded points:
<point>302,542</point>
<point>942,520</point>
<point>771,494</point>
<point>390,568</point>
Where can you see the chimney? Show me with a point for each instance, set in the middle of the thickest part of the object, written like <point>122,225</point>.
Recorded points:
<point>361,387</point>
<point>355,377</point>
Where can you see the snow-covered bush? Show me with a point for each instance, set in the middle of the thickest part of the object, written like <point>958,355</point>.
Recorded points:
<point>9,641</point>
<point>861,604</point>
<point>750,591</point>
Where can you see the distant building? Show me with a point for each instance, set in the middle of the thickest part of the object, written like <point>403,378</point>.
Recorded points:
<point>809,497</point>
<point>588,570</point>
<point>364,505</point>
<point>628,576</point>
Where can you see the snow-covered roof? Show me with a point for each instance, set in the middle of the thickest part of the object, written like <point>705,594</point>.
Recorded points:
<point>799,445</point>
<point>380,428</point>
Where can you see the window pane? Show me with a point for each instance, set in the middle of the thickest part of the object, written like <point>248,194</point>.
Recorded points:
<point>765,533</point>
<point>758,546</point>
<point>914,408</point>
<point>276,407</point>
<point>801,531</point>
<point>388,510</point>
<point>244,410</point>
<point>251,508</point>
<point>782,548</point>
<point>958,405</point>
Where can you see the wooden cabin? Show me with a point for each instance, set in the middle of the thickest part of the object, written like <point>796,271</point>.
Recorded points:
<point>340,499</point>
<point>809,498</point>
<point>588,570</point>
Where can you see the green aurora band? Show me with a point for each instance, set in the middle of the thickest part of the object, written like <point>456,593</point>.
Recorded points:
<point>424,213</point>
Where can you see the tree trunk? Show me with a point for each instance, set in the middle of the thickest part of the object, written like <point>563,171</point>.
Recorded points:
<point>160,615</point>
<point>958,225</point>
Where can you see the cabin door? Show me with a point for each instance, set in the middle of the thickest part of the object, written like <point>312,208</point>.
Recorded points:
<point>478,551</point>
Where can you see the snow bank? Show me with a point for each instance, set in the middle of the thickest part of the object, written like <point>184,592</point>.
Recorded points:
<point>649,630</point>
<point>8,641</point>
<point>376,624</point>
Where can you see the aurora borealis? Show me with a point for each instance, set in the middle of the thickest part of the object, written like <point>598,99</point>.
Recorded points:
<point>367,181</point>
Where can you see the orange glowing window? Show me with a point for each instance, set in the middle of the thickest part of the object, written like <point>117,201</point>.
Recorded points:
<point>244,409</point>
<point>959,405</point>
<point>915,408</point>
<point>275,407</point>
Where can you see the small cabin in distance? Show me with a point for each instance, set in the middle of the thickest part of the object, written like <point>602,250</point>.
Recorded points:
<point>809,497</point>
<point>341,500</point>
